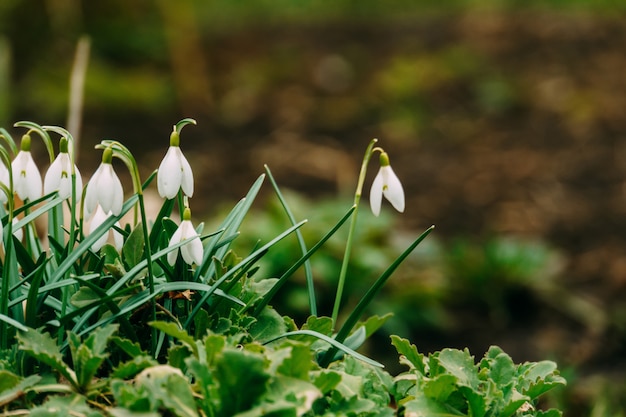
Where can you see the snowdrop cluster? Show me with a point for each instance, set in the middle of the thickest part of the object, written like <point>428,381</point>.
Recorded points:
<point>104,193</point>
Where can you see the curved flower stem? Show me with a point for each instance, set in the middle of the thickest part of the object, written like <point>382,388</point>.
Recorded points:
<point>348,250</point>
<point>124,154</point>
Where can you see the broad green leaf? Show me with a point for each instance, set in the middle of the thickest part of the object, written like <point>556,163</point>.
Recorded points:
<point>179,397</point>
<point>458,363</point>
<point>131,348</point>
<point>84,297</point>
<point>269,325</point>
<point>373,323</point>
<point>172,329</point>
<point>440,387</point>
<point>63,406</point>
<point>242,380</point>
<point>422,406</point>
<point>326,380</point>
<point>45,349</point>
<point>12,387</point>
<point>133,247</point>
<point>539,377</point>
<point>134,366</point>
<point>409,352</point>
<point>500,366</point>
<point>298,363</point>
<point>323,325</point>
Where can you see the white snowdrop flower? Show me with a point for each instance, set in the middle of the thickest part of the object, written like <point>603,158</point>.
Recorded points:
<point>192,251</point>
<point>26,177</point>
<point>104,188</point>
<point>174,172</point>
<point>4,179</point>
<point>387,184</point>
<point>98,218</point>
<point>59,175</point>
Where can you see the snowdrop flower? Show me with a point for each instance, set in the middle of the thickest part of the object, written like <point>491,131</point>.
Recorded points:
<point>26,176</point>
<point>387,184</point>
<point>98,218</point>
<point>59,175</point>
<point>104,188</point>
<point>174,172</point>
<point>192,251</point>
<point>4,179</point>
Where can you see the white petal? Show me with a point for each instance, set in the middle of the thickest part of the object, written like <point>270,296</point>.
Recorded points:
<point>170,173</point>
<point>187,179</point>
<point>52,180</point>
<point>176,237</point>
<point>376,193</point>
<point>118,238</point>
<point>98,218</point>
<point>91,193</point>
<point>393,190</point>
<point>193,251</point>
<point>26,177</point>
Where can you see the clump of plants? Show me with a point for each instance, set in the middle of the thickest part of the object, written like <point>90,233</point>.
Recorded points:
<point>159,317</point>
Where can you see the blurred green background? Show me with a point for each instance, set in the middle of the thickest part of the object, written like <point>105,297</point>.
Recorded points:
<point>504,119</point>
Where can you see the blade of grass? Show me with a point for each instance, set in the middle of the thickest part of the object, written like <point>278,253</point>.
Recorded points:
<point>281,281</point>
<point>356,313</point>
<point>308,272</point>
<point>334,343</point>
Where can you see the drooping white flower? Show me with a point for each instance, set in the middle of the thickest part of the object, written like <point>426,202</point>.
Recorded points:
<point>59,175</point>
<point>192,251</point>
<point>174,172</point>
<point>26,177</point>
<point>4,179</point>
<point>386,183</point>
<point>104,188</point>
<point>98,218</point>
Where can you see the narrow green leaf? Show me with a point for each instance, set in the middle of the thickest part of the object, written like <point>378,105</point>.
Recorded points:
<point>330,341</point>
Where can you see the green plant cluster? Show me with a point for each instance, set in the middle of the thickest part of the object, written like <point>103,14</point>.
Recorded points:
<point>133,331</point>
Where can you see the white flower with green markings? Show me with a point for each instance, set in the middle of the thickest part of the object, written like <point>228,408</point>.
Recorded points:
<point>191,251</point>
<point>387,184</point>
<point>26,177</point>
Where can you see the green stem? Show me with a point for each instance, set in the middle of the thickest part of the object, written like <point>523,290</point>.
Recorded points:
<point>346,255</point>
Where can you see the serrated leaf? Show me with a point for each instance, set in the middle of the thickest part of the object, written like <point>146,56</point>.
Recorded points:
<point>172,329</point>
<point>12,386</point>
<point>460,364</point>
<point>63,406</point>
<point>440,387</point>
<point>409,351</point>
<point>373,323</point>
<point>45,349</point>
<point>539,377</point>
<point>133,248</point>
<point>425,407</point>
<point>323,325</point>
<point>131,348</point>
<point>237,369</point>
<point>327,380</point>
<point>269,324</point>
<point>131,368</point>
<point>298,363</point>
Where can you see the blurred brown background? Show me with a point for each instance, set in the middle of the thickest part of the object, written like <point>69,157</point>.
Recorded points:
<point>505,121</point>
